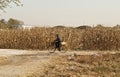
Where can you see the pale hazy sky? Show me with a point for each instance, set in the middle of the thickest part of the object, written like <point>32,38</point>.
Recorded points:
<point>66,12</point>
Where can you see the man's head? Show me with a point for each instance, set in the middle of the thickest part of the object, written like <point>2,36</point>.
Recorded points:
<point>57,35</point>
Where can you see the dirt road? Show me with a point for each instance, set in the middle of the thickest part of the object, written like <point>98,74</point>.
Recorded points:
<point>24,63</point>
<point>19,63</point>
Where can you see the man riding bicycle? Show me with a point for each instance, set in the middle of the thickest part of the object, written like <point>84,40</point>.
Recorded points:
<point>57,42</point>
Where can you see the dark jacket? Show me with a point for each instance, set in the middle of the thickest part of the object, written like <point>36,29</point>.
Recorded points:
<point>57,41</point>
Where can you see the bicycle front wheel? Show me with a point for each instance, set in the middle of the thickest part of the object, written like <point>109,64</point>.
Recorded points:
<point>51,49</point>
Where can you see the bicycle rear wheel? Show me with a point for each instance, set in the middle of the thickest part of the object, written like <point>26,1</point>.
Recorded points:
<point>64,49</point>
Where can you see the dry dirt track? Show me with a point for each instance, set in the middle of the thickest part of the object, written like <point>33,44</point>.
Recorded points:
<point>24,63</point>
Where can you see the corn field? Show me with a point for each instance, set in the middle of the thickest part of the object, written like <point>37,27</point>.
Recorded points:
<point>101,39</point>
<point>77,39</point>
<point>38,38</point>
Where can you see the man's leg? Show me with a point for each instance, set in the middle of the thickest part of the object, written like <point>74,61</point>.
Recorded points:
<point>59,47</point>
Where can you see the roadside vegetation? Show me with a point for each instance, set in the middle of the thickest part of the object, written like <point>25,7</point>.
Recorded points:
<point>88,38</point>
<point>101,65</point>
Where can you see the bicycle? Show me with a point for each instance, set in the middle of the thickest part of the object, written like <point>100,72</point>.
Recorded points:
<point>63,47</point>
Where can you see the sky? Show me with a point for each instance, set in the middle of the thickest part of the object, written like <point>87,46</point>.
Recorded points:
<point>66,12</point>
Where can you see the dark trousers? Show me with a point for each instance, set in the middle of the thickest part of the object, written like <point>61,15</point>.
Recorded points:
<point>58,46</point>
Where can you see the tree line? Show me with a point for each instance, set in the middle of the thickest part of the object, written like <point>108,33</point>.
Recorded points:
<point>10,24</point>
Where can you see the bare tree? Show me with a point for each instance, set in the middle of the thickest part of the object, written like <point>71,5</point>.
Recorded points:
<point>7,3</point>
